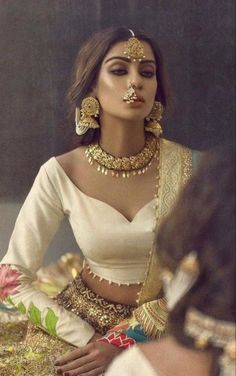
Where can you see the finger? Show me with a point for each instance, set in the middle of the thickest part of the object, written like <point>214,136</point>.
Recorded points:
<point>75,364</point>
<point>72,356</point>
<point>95,372</point>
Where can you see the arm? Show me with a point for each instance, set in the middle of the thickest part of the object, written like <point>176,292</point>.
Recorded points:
<point>35,226</point>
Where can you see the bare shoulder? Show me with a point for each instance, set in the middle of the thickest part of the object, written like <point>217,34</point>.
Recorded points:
<point>72,159</point>
<point>169,357</point>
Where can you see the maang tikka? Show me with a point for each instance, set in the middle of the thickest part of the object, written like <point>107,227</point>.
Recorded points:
<point>134,48</point>
<point>84,117</point>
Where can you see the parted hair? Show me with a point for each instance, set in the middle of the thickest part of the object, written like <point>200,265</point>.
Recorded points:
<point>203,220</point>
<point>88,63</point>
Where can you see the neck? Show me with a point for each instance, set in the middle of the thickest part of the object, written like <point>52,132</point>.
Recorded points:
<point>122,138</point>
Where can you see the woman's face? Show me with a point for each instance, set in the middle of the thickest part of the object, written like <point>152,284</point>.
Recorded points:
<point>115,75</point>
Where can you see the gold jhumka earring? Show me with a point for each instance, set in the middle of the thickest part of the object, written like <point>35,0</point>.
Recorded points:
<point>153,119</point>
<point>84,117</point>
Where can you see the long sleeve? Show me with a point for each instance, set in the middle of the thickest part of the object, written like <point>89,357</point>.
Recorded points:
<point>37,223</point>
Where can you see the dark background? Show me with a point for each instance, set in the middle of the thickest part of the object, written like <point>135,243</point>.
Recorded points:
<point>39,40</point>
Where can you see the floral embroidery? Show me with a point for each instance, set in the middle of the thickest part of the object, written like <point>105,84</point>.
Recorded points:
<point>35,316</point>
<point>8,281</point>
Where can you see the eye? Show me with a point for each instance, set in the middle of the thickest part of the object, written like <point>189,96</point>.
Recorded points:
<point>118,71</point>
<point>147,73</point>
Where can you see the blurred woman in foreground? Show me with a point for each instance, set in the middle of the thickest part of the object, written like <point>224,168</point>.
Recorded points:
<point>196,244</point>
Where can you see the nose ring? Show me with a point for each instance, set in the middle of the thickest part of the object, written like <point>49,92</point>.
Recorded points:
<point>130,96</point>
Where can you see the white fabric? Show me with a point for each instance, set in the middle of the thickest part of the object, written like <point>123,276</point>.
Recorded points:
<point>115,248</point>
<point>131,363</point>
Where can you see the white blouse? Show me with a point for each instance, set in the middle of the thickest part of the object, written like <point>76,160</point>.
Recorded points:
<point>114,248</point>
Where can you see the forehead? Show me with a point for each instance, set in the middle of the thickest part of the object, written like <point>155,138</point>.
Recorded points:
<point>118,50</point>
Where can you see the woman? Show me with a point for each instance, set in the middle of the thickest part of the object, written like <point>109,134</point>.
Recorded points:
<point>197,243</point>
<point>112,187</point>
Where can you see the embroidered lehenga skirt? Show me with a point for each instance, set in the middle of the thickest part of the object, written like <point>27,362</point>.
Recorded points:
<point>28,351</point>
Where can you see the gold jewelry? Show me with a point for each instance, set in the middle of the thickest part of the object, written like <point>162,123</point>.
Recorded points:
<point>153,119</point>
<point>130,95</point>
<point>123,166</point>
<point>94,309</point>
<point>83,116</point>
<point>134,49</point>
<point>206,330</point>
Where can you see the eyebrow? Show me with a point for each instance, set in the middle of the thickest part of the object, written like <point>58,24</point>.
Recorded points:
<point>127,60</point>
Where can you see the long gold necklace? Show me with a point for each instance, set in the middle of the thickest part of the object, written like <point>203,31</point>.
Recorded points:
<point>123,166</point>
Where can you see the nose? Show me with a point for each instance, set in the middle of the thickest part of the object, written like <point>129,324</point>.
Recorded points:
<point>135,80</point>
<point>136,84</point>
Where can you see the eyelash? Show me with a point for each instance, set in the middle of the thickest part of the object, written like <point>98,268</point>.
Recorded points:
<point>121,72</point>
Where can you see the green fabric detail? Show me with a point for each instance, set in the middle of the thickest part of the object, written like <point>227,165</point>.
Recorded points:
<point>9,300</point>
<point>21,308</point>
<point>51,322</point>
<point>35,315</point>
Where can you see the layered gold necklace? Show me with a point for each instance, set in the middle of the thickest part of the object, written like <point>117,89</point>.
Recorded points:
<point>123,166</point>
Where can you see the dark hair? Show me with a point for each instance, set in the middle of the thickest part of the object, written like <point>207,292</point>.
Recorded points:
<point>88,63</point>
<point>203,220</point>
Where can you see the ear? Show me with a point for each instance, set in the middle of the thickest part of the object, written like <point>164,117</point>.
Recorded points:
<point>93,90</point>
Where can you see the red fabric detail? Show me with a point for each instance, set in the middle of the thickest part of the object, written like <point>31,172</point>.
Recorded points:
<point>118,339</point>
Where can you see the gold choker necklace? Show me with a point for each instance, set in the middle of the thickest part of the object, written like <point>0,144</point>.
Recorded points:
<point>123,166</point>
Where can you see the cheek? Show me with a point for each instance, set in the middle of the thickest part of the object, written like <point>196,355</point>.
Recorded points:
<point>154,88</point>
<point>108,93</point>
<point>105,86</point>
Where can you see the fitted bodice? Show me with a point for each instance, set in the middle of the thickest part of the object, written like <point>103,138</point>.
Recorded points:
<point>114,247</point>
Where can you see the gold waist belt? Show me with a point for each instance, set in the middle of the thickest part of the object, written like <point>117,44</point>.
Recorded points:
<point>94,309</point>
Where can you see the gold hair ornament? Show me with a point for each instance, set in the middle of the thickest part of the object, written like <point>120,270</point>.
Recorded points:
<point>153,119</point>
<point>206,330</point>
<point>178,284</point>
<point>133,48</point>
<point>84,117</point>
<point>123,166</point>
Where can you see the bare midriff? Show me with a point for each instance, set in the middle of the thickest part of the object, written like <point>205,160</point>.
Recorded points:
<point>117,293</point>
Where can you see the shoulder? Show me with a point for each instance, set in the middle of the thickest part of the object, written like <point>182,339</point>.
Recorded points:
<point>72,160</point>
<point>174,146</point>
<point>189,157</point>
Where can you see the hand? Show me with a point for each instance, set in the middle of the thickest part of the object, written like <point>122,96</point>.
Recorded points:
<point>95,337</point>
<point>89,360</point>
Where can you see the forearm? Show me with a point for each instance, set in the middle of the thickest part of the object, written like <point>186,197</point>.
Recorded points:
<point>16,288</point>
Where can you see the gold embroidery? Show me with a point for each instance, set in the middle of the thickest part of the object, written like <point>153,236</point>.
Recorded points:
<point>175,168</point>
<point>29,351</point>
<point>94,309</point>
<point>153,317</point>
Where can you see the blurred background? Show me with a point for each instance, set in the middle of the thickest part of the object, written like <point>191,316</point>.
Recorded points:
<point>39,40</point>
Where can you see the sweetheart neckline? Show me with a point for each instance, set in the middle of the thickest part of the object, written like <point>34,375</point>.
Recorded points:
<point>100,201</point>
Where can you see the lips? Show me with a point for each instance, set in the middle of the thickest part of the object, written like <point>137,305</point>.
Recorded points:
<point>136,99</point>
<point>139,98</point>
